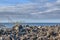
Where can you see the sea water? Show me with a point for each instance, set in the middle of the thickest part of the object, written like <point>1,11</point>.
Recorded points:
<point>10,25</point>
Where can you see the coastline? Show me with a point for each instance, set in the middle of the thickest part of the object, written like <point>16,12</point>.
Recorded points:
<point>27,32</point>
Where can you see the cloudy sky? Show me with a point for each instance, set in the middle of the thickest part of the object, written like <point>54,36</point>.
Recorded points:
<point>28,11</point>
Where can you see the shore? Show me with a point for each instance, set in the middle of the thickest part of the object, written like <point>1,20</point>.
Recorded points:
<point>19,32</point>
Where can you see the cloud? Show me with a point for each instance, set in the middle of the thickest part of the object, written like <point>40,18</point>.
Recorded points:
<point>32,11</point>
<point>58,1</point>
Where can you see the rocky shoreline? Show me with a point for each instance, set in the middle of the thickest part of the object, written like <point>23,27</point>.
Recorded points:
<point>19,32</point>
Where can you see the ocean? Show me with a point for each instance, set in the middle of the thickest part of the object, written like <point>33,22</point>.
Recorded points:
<point>10,25</point>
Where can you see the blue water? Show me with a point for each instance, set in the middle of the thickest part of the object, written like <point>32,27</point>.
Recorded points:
<point>31,24</point>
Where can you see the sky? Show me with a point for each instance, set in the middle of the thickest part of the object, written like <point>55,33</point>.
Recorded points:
<point>30,11</point>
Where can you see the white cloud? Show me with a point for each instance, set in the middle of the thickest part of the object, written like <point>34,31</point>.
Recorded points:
<point>58,1</point>
<point>50,10</point>
<point>30,10</point>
